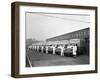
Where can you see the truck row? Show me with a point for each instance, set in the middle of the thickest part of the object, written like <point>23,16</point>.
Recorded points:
<point>72,47</point>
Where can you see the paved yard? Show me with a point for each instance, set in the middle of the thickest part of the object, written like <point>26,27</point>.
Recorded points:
<point>42,59</point>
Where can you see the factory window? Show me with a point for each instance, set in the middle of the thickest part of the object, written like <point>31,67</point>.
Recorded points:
<point>84,33</point>
<point>77,35</point>
<point>73,35</point>
<point>70,35</point>
<point>81,33</point>
<point>88,32</point>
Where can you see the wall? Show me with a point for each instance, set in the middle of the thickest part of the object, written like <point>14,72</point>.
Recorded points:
<point>5,41</point>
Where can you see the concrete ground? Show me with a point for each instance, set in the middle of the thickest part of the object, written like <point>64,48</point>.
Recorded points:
<point>36,59</point>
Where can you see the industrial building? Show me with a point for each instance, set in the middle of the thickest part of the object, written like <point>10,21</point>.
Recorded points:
<point>82,34</point>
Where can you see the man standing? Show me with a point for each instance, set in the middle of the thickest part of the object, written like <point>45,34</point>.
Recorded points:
<point>62,50</point>
<point>53,47</point>
<point>75,50</point>
<point>37,48</point>
<point>46,49</point>
<point>41,48</point>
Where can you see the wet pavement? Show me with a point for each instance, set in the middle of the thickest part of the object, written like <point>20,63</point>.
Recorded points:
<point>37,59</point>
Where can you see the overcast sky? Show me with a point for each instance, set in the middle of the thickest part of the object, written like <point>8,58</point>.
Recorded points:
<point>41,26</point>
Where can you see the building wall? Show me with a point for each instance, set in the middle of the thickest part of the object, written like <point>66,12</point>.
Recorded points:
<point>82,34</point>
